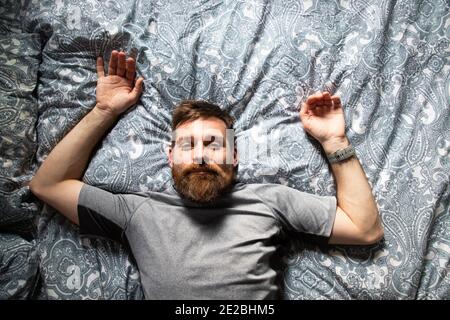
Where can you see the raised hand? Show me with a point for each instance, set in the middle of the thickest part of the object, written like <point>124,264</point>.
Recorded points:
<point>323,118</point>
<point>117,91</point>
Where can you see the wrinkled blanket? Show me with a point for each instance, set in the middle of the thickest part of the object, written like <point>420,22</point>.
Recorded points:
<point>388,60</point>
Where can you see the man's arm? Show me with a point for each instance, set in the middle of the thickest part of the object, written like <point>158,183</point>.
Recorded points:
<point>57,182</point>
<point>357,219</point>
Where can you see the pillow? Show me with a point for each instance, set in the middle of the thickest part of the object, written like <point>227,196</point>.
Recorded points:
<point>11,16</point>
<point>18,267</point>
<point>19,62</point>
<point>75,267</point>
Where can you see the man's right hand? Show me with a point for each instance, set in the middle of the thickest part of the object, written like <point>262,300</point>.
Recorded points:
<point>58,180</point>
<point>117,91</point>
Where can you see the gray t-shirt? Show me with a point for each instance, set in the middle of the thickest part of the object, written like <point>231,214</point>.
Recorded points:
<point>189,251</point>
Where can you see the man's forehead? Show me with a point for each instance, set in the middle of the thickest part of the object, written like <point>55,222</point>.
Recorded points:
<point>200,129</point>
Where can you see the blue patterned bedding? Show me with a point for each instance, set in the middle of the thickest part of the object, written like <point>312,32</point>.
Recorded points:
<point>388,60</point>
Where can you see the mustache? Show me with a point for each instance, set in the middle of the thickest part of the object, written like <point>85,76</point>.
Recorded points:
<point>203,168</point>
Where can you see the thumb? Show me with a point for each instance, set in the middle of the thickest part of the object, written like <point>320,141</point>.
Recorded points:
<point>137,90</point>
<point>303,110</point>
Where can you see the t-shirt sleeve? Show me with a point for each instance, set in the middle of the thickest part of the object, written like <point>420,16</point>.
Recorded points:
<point>299,211</point>
<point>105,214</point>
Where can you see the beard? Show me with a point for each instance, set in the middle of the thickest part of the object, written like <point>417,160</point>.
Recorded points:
<point>202,183</point>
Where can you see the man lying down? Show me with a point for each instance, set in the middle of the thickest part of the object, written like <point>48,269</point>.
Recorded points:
<point>211,237</point>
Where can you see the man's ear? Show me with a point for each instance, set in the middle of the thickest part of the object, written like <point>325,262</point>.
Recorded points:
<point>235,158</point>
<point>169,152</point>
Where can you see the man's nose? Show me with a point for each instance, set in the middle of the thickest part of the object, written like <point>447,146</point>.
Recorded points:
<point>199,154</point>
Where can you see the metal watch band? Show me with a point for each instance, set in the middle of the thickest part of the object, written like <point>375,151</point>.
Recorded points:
<point>341,154</point>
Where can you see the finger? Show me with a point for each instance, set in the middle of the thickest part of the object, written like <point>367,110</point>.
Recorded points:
<point>327,99</point>
<point>112,68</point>
<point>137,90</point>
<point>303,110</point>
<point>121,64</point>
<point>336,101</point>
<point>315,99</point>
<point>131,69</point>
<point>100,67</point>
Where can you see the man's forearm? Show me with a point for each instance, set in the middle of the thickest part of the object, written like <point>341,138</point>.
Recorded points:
<point>354,194</point>
<point>69,158</point>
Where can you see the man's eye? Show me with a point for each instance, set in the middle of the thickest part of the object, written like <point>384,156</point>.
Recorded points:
<point>186,146</point>
<point>214,146</point>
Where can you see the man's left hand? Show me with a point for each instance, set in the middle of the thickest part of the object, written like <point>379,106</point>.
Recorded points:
<point>323,118</point>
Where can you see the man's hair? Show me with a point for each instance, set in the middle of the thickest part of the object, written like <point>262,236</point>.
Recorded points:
<point>189,110</point>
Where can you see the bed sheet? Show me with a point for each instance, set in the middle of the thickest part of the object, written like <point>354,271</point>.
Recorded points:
<point>388,60</point>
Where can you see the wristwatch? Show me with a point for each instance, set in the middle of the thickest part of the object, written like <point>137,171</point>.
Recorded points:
<point>341,154</point>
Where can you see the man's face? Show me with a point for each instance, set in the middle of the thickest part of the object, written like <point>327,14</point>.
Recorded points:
<point>203,159</point>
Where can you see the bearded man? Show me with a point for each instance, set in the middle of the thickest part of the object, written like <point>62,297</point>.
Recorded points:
<point>210,237</point>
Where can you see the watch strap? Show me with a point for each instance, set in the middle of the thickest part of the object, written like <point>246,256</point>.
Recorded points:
<point>341,154</point>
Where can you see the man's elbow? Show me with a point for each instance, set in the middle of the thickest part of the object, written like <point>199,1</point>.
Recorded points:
<point>375,234</point>
<point>36,188</point>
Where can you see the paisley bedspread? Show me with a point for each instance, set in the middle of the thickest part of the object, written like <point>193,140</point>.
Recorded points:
<point>388,60</point>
